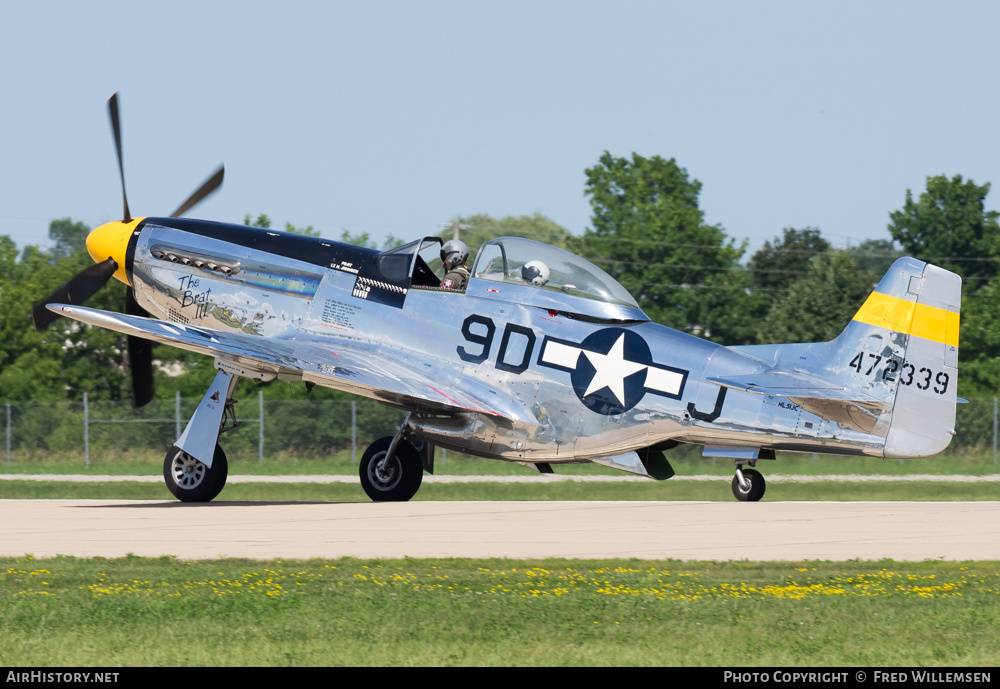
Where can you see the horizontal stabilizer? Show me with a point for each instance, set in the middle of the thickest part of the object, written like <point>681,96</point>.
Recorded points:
<point>850,408</point>
<point>796,385</point>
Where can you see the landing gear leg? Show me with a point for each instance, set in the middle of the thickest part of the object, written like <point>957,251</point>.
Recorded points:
<point>391,468</point>
<point>195,468</point>
<point>748,484</point>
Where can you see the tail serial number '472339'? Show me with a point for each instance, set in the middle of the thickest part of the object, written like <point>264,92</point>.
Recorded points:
<point>538,357</point>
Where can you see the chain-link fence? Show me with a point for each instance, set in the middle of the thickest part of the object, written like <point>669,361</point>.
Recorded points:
<point>90,429</point>
<point>270,428</point>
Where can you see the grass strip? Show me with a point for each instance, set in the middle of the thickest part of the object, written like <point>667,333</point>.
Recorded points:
<point>169,612</point>
<point>669,490</point>
<point>686,460</point>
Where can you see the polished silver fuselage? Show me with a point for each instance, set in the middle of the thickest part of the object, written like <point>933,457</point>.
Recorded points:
<point>526,358</point>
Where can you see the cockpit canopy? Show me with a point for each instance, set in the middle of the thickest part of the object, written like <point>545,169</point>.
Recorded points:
<point>572,281</point>
<point>570,284</point>
<point>502,260</point>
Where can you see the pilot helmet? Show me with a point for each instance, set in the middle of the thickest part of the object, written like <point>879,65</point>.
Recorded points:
<point>454,253</point>
<point>535,273</point>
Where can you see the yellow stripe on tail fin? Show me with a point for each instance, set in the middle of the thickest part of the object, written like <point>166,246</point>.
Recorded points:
<point>911,318</point>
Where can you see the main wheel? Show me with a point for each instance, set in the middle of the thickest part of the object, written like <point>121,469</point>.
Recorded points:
<point>756,490</point>
<point>190,480</point>
<point>394,479</point>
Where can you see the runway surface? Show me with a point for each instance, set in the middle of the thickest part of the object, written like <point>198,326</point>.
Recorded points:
<point>649,530</point>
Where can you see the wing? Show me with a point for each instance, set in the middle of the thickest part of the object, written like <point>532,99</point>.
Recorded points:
<point>395,377</point>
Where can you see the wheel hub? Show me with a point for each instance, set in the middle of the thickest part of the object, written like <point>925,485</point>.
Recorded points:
<point>187,471</point>
<point>384,474</point>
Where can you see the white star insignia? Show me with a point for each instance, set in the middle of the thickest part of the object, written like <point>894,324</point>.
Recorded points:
<point>612,369</point>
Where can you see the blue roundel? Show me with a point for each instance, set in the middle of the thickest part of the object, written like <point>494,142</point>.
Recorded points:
<point>610,373</point>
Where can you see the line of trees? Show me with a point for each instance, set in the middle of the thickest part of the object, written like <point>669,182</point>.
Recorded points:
<point>648,231</point>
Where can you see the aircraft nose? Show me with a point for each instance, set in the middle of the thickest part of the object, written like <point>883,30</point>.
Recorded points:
<point>111,241</point>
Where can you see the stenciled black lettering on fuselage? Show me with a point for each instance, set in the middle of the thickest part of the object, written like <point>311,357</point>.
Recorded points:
<point>485,340</point>
<point>611,370</point>
<point>483,337</point>
<point>529,346</point>
<point>711,416</point>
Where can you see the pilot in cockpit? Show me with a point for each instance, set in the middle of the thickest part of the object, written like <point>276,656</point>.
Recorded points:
<point>535,273</point>
<point>454,254</point>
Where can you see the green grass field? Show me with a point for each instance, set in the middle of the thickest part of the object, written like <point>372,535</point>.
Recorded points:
<point>148,612</point>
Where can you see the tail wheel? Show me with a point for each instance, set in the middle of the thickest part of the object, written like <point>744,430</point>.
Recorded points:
<point>756,489</point>
<point>191,480</point>
<point>391,479</point>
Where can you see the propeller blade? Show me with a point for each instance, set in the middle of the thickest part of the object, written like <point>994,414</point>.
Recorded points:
<point>116,128</point>
<point>210,185</point>
<point>76,291</point>
<point>140,356</point>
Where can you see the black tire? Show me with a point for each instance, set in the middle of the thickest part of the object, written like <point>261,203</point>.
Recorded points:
<point>190,480</point>
<point>395,481</point>
<point>757,486</point>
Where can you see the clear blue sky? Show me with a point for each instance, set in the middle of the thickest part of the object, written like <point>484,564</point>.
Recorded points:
<point>393,117</point>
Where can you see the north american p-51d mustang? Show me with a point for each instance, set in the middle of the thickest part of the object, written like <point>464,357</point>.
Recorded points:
<point>542,359</point>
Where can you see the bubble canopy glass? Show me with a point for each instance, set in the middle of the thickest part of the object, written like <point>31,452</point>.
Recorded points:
<point>501,260</point>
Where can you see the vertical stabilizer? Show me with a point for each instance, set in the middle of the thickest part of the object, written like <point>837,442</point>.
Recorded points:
<point>918,306</point>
